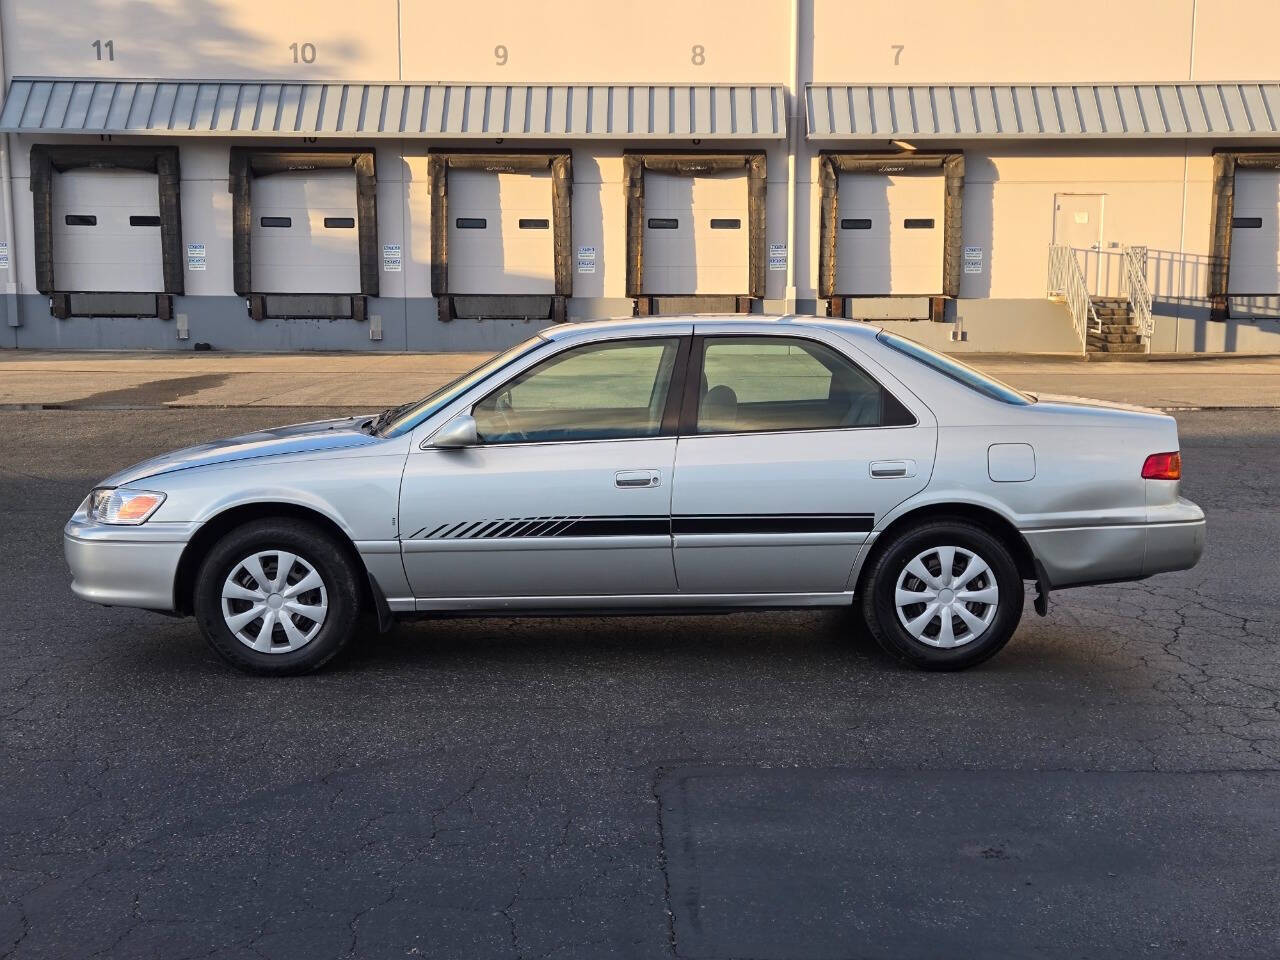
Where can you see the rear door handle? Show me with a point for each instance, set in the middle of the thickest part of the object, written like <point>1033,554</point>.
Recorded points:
<point>633,479</point>
<point>893,468</point>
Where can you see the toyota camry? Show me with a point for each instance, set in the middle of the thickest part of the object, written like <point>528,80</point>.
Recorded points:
<point>666,464</point>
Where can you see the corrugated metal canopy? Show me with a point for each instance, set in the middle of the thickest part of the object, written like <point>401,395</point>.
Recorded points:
<point>53,105</point>
<point>968,111</point>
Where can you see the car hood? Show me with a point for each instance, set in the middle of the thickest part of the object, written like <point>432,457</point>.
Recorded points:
<point>312,437</point>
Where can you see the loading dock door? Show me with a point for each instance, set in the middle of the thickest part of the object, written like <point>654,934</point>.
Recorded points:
<point>304,235</point>
<point>1255,234</point>
<point>106,231</point>
<point>696,234</point>
<point>889,238</point>
<point>501,239</point>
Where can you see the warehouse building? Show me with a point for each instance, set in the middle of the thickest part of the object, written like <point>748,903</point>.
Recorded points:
<point>436,177</point>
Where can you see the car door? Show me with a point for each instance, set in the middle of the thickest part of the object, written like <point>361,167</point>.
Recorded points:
<point>789,453</point>
<point>566,495</point>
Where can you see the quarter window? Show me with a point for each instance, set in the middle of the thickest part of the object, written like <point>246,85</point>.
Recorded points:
<point>608,391</point>
<point>782,383</point>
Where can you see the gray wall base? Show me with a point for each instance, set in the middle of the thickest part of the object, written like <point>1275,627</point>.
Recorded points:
<point>994,326</point>
<point>582,309</point>
<point>876,309</point>
<point>1199,334</point>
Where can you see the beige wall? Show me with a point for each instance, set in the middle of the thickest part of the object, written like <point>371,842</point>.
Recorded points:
<point>1009,206</point>
<point>741,41</point>
<point>1001,41</point>
<point>201,39</point>
<point>1157,194</point>
<point>736,41</point>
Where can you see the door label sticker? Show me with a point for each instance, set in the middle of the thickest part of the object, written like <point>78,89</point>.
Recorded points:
<point>586,266</point>
<point>973,266</point>
<point>391,258</point>
<point>777,256</point>
<point>586,253</point>
<point>973,253</point>
<point>195,256</point>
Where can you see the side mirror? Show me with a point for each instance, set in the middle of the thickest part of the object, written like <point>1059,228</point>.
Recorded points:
<point>458,432</point>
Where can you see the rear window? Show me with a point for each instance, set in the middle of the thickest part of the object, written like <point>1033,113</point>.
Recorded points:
<point>971,378</point>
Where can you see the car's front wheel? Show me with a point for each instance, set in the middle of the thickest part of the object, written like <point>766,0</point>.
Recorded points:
<point>943,595</point>
<point>277,597</point>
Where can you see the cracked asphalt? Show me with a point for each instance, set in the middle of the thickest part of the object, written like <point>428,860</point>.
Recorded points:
<point>752,786</point>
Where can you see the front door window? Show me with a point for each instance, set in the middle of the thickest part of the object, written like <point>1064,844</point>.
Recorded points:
<point>610,391</point>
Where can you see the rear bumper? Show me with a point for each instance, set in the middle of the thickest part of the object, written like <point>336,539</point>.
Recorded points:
<point>123,566</point>
<point>1076,556</point>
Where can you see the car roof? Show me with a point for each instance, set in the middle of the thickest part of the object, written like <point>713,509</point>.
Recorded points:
<point>765,323</point>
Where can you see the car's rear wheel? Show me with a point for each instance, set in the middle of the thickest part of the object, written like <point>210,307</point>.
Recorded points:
<point>943,595</point>
<point>277,597</point>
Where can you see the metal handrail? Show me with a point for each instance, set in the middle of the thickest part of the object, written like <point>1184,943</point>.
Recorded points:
<point>1066,280</point>
<point>1138,292</point>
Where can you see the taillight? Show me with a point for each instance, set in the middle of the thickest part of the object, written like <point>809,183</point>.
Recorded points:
<point>1163,466</point>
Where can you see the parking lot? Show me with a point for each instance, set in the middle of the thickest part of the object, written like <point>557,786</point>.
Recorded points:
<point>751,786</point>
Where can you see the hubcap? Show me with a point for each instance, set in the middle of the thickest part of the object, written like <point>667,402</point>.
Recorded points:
<point>274,602</point>
<point>947,597</point>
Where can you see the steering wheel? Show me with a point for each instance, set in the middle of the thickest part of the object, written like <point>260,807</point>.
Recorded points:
<point>503,408</point>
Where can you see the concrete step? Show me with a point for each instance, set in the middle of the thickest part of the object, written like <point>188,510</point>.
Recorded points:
<point>1113,338</point>
<point>1113,315</point>
<point>1107,347</point>
<point>1104,357</point>
<point>1119,328</point>
<point>1110,301</point>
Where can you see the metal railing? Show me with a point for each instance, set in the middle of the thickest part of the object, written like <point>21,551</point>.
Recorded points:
<point>1138,292</point>
<point>1066,281</point>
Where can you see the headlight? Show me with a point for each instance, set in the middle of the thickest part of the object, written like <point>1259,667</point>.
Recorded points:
<point>112,505</point>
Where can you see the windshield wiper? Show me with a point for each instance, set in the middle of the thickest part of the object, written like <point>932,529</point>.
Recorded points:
<point>387,415</point>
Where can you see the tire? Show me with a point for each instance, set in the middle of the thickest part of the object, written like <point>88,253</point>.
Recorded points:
<point>319,595</point>
<point>920,636</point>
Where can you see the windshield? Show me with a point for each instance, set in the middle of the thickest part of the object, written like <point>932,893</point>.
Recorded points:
<point>971,378</point>
<point>409,415</point>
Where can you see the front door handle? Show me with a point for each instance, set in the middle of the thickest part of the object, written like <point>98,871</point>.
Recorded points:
<point>637,479</point>
<point>893,468</point>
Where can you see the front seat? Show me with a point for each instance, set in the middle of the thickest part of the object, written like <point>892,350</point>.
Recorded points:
<point>719,410</point>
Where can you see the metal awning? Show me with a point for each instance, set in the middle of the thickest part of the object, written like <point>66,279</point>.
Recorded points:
<point>985,111</point>
<point>708,112</point>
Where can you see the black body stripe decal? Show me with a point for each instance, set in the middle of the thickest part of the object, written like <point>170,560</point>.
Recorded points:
<point>776,523</point>
<point>537,527</point>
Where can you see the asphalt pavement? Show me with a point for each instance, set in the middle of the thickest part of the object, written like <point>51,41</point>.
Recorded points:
<point>761,785</point>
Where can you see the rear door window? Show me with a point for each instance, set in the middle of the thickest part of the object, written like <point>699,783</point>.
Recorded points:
<point>755,384</point>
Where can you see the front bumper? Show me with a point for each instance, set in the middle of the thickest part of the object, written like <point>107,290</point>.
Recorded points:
<point>1172,539</point>
<point>125,566</point>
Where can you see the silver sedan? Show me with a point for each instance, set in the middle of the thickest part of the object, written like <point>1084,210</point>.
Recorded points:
<point>684,463</point>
